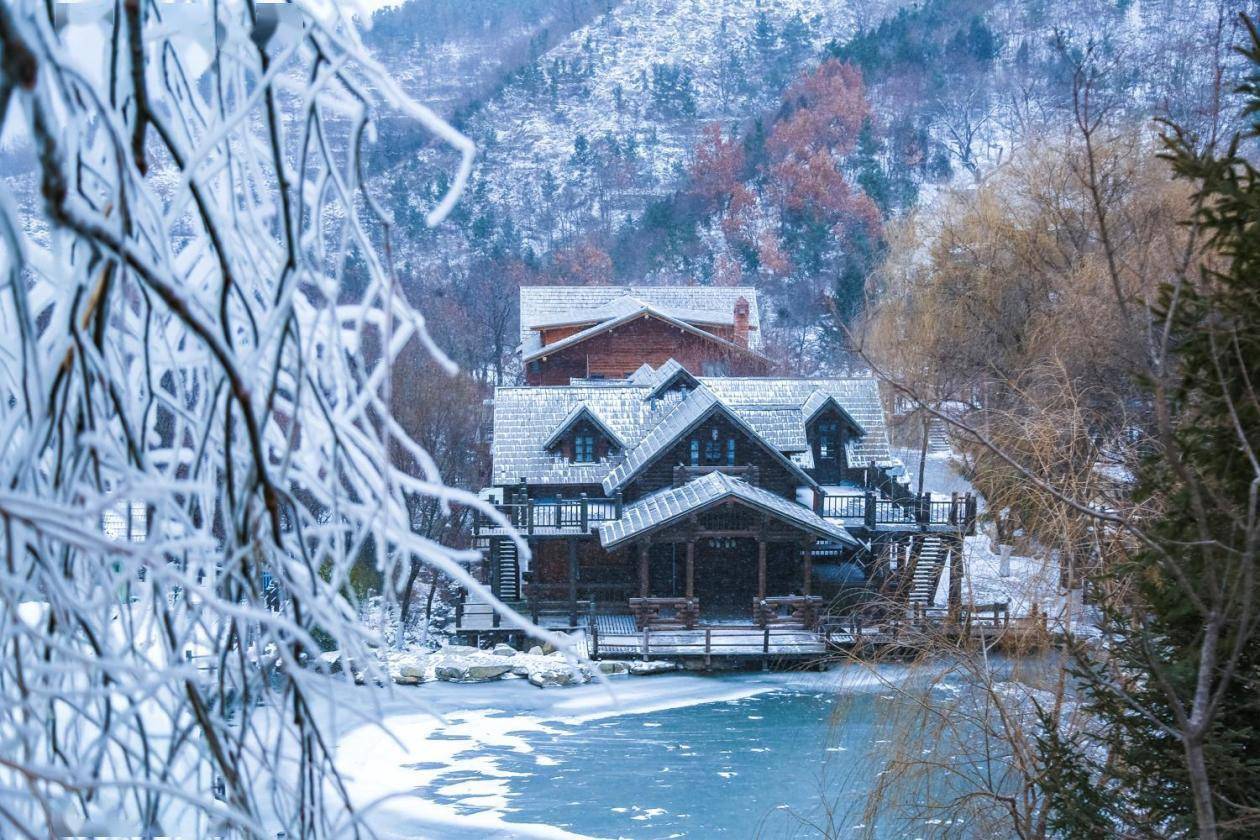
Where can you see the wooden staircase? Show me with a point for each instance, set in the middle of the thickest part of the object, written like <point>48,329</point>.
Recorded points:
<point>507,570</point>
<point>938,437</point>
<point>929,564</point>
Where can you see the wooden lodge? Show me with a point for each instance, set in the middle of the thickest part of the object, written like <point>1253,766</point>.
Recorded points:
<point>608,332</point>
<point>659,499</point>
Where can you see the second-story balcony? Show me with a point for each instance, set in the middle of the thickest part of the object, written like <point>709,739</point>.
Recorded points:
<point>868,511</point>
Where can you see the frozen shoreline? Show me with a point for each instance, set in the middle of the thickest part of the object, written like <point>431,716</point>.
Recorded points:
<point>446,729</point>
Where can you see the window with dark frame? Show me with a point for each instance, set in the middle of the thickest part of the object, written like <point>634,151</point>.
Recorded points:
<point>584,449</point>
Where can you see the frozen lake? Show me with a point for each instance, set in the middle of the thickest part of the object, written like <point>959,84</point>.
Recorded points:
<point>671,756</point>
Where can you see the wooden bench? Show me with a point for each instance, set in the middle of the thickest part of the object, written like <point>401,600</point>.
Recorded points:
<point>665,613</point>
<point>787,610</point>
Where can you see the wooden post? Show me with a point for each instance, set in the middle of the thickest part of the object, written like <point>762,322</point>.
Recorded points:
<point>593,626</point>
<point>765,649</point>
<point>495,584</point>
<point>643,570</point>
<point>808,563</point>
<point>761,568</point>
<point>617,505</point>
<point>573,573</point>
<point>953,508</point>
<point>708,648</point>
<point>955,579</point>
<point>584,514</point>
<point>691,568</point>
<point>869,510</point>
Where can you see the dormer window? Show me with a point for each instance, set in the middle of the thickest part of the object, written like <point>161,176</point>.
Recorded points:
<point>582,437</point>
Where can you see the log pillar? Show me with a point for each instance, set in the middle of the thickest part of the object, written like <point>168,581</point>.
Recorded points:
<point>691,568</point>
<point>761,569</point>
<point>807,558</point>
<point>643,570</point>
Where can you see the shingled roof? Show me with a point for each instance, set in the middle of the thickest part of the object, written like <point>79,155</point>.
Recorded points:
<point>667,506</point>
<point>550,306</point>
<point>692,410</point>
<point>526,417</point>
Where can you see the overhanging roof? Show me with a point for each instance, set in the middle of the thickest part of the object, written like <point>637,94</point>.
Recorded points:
<point>670,506</point>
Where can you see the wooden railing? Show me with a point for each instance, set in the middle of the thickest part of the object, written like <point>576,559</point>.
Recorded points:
<point>665,613</point>
<point>870,510</point>
<point>579,515</point>
<point>726,640</point>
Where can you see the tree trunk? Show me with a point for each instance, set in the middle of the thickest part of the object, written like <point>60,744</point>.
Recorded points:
<point>927,419</point>
<point>428,603</point>
<point>405,598</point>
<point>1201,788</point>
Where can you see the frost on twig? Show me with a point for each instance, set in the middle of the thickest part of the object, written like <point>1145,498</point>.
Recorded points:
<point>200,323</point>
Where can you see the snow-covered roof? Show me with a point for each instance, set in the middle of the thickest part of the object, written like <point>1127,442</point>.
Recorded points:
<point>555,306</point>
<point>691,410</point>
<point>667,506</point>
<point>526,417</point>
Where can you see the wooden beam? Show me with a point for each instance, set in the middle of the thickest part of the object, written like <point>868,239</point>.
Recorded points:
<point>808,563</point>
<point>691,568</point>
<point>643,570</point>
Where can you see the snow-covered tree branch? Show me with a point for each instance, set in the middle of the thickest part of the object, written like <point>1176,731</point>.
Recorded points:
<point>196,437</point>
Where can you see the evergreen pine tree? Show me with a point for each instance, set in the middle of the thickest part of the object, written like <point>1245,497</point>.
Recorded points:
<point>1178,696</point>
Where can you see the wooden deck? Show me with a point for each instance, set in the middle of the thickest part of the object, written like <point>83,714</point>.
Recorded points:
<point>615,635</point>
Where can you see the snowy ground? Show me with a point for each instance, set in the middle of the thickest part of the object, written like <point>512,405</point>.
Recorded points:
<point>1028,585</point>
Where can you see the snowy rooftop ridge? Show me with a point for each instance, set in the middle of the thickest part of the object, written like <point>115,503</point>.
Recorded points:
<point>553,306</point>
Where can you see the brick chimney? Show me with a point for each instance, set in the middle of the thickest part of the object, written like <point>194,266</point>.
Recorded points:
<point>741,321</point>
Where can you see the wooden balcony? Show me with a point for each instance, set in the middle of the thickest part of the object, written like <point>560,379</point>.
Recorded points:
<point>920,513</point>
<point>870,510</point>
<point>544,517</point>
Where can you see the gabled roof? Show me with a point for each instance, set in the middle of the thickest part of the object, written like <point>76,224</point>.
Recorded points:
<point>543,306</point>
<point>668,375</point>
<point>632,314</point>
<point>526,417</point>
<point>669,506</point>
<point>693,410</point>
<point>819,401</point>
<point>579,411</point>
<point>859,396</point>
